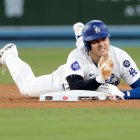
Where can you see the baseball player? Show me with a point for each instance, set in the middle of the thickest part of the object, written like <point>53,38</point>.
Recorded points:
<point>93,65</point>
<point>84,70</point>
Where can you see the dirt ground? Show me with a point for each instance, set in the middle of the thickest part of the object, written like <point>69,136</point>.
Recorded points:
<point>11,98</point>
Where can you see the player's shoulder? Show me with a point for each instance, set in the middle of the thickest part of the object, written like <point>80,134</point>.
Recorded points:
<point>117,50</point>
<point>119,53</point>
<point>76,52</point>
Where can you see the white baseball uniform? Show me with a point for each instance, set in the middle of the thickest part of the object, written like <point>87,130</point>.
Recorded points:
<point>78,63</point>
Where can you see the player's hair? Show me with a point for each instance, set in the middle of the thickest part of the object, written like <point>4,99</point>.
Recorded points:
<point>93,30</point>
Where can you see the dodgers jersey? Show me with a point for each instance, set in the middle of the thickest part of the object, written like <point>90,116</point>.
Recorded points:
<point>80,63</point>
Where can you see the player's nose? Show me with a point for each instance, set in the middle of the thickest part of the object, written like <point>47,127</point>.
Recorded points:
<point>101,44</point>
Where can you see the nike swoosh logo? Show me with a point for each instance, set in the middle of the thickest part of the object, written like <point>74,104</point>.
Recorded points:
<point>91,74</point>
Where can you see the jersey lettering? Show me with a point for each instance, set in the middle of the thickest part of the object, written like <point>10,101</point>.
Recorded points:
<point>132,72</point>
<point>114,80</point>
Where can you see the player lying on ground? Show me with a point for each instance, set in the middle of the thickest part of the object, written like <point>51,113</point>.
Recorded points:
<point>90,66</point>
<point>83,64</point>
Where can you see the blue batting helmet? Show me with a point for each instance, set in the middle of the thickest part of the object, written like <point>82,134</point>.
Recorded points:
<point>93,30</point>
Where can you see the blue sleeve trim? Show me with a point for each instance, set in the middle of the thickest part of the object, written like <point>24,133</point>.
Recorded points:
<point>135,92</point>
<point>136,84</point>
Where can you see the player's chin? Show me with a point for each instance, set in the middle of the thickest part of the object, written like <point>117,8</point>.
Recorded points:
<point>102,53</point>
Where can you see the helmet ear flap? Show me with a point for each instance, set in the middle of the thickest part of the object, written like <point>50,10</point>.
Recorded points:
<point>87,45</point>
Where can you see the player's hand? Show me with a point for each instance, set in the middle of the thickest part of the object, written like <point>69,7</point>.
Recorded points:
<point>105,66</point>
<point>112,91</point>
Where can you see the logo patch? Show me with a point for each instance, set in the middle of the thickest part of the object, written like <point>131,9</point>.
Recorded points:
<point>75,66</point>
<point>126,63</point>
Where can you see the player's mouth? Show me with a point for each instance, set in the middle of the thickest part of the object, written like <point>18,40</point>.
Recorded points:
<point>101,49</point>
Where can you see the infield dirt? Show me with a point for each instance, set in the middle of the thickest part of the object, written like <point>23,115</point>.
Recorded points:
<point>11,98</point>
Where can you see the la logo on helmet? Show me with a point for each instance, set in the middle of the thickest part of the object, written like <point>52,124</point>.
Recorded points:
<point>96,29</point>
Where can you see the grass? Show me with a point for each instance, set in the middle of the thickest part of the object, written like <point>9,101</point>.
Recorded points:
<point>70,124</point>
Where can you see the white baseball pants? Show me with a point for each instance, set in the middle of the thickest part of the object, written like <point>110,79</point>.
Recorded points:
<point>30,85</point>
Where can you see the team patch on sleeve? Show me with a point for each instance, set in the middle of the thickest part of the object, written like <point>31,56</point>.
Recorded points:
<point>75,66</point>
<point>126,63</point>
<point>132,71</point>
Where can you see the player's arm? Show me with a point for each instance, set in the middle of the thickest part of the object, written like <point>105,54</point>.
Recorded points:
<point>134,93</point>
<point>135,84</point>
<point>132,77</point>
<point>77,82</point>
<point>105,67</point>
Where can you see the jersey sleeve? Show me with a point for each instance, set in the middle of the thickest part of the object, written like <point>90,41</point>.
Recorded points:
<point>75,64</point>
<point>130,71</point>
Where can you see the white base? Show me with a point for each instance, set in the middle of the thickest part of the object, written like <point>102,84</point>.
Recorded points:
<point>73,95</point>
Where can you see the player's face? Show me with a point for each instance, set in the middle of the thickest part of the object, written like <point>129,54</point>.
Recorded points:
<point>99,47</point>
